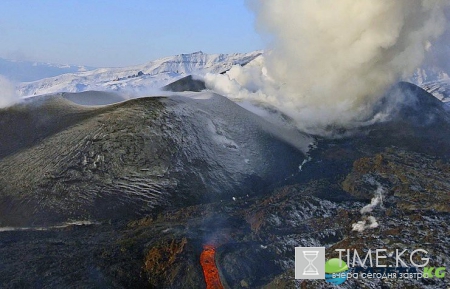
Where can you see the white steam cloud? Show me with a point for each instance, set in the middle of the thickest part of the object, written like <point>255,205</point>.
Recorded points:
<point>376,200</point>
<point>8,95</point>
<point>370,222</point>
<point>330,60</point>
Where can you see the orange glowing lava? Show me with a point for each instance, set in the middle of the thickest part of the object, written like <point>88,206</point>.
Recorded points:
<point>207,260</point>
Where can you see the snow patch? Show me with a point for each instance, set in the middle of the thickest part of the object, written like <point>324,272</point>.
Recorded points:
<point>64,225</point>
<point>220,137</point>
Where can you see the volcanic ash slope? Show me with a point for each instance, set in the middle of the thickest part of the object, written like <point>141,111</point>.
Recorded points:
<point>63,162</point>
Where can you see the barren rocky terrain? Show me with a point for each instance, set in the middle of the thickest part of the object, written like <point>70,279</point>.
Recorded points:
<point>128,195</point>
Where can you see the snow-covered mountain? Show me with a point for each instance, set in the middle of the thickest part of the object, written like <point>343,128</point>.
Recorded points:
<point>434,80</point>
<point>153,75</point>
<point>139,78</point>
<point>427,74</point>
<point>439,88</point>
<point>19,71</point>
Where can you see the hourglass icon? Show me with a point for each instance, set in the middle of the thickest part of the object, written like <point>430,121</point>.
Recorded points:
<point>310,256</point>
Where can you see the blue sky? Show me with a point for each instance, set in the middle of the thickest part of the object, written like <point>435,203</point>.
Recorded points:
<point>121,33</point>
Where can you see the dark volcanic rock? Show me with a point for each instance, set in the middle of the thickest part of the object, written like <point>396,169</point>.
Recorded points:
<point>219,177</point>
<point>93,97</point>
<point>418,121</point>
<point>27,124</point>
<point>246,265</point>
<point>401,174</point>
<point>187,83</point>
<point>122,160</point>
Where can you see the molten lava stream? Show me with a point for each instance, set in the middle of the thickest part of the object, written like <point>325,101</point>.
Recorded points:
<point>207,260</point>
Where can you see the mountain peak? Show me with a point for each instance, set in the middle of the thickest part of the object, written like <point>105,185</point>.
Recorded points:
<point>193,53</point>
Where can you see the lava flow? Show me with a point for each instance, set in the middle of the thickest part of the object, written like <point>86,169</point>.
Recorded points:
<point>207,260</point>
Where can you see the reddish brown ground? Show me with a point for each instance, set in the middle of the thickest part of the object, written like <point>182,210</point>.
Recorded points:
<point>207,260</point>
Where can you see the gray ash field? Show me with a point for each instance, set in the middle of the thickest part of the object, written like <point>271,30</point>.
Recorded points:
<point>126,195</point>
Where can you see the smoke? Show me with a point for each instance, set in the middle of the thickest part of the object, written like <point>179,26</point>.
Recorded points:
<point>437,56</point>
<point>370,222</point>
<point>329,61</point>
<point>376,200</point>
<point>8,95</point>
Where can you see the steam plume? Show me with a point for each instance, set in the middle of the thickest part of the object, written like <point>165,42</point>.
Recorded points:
<point>370,222</point>
<point>8,94</point>
<point>329,61</point>
<point>376,200</point>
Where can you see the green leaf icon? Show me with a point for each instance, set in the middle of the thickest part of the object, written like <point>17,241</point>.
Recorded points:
<point>335,265</point>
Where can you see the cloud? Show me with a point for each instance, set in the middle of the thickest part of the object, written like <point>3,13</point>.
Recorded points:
<point>8,95</point>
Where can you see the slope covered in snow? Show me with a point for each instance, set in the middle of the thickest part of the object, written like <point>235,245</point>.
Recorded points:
<point>32,71</point>
<point>439,89</point>
<point>434,74</point>
<point>427,74</point>
<point>434,80</point>
<point>137,79</point>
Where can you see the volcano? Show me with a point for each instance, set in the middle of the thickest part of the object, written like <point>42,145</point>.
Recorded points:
<point>135,157</point>
<point>154,192</point>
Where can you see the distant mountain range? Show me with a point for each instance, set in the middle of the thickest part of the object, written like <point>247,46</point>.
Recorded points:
<point>139,78</point>
<point>434,80</point>
<point>43,78</point>
<point>20,71</point>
